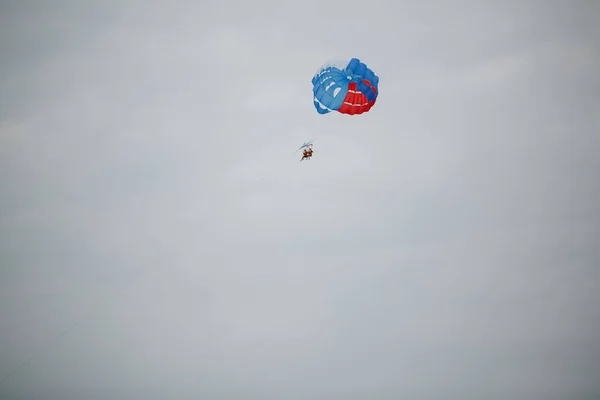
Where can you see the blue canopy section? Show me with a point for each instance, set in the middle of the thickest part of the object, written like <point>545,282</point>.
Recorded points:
<point>330,87</point>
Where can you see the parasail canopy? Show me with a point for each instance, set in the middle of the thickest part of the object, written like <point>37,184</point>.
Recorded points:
<point>350,90</point>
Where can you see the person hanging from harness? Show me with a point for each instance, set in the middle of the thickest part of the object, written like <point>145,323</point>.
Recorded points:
<point>307,153</point>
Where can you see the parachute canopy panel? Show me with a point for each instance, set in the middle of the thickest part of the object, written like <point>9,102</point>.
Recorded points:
<point>350,90</point>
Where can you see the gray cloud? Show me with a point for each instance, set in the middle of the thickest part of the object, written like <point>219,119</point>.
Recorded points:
<point>444,244</point>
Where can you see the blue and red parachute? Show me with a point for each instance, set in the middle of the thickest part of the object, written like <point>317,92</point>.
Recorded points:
<point>350,90</point>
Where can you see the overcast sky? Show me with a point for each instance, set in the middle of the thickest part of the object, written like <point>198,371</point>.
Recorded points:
<point>160,240</point>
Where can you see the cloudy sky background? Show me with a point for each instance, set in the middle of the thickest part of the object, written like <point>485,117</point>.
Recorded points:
<point>158,239</point>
